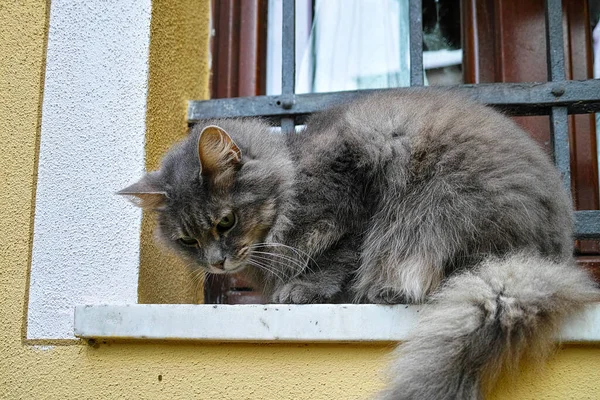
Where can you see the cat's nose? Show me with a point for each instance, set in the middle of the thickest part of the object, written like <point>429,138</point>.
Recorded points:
<point>219,265</point>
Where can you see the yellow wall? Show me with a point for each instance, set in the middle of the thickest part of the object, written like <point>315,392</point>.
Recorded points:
<point>200,370</point>
<point>178,71</point>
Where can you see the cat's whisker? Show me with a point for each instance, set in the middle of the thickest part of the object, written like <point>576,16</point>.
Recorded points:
<point>305,264</point>
<point>296,263</point>
<point>197,276</point>
<point>271,274</point>
<point>287,273</point>
<point>289,257</point>
<point>299,252</point>
<point>294,272</point>
<point>201,279</point>
<point>272,263</point>
<point>192,274</point>
<point>266,268</point>
<point>298,266</point>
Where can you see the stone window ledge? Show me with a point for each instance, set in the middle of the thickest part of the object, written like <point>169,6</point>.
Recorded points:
<point>276,323</point>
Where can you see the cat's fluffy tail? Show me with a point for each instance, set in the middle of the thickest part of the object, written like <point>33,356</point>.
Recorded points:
<point>484,322</point>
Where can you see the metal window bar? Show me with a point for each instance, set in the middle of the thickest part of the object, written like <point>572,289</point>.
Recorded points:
<point>557,98</point>
<point>415,17</point>
<point>288,64</point>
<point>559,125</point>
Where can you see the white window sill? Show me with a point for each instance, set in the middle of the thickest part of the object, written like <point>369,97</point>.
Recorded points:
<point>276,323</point>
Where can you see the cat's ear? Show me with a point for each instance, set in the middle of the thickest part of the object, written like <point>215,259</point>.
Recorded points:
<point>146,193</point>
<point>218,154</point>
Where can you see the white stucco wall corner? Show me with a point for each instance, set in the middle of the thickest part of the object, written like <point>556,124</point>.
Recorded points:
<point>86,239</point>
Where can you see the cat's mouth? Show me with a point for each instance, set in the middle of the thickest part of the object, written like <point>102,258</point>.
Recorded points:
<point>229,267</point>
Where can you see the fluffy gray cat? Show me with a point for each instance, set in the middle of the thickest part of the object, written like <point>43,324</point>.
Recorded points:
<point>399,197</point>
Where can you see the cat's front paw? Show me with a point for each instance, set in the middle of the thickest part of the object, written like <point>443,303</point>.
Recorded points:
<point>298,292</point>
<point>385,296</point>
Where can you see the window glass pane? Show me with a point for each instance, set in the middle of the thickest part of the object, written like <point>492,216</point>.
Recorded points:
<point>442,52</point>
<point>364,44</point>
<point>356,44</point>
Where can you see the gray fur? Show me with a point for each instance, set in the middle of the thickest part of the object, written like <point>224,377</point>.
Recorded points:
<point>486,321</point>
<point>389,199</point>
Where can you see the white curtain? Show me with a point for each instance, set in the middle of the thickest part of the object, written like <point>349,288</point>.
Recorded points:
<point>351,44</point>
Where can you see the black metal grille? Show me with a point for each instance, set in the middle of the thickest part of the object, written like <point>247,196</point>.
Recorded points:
<point>556,98</point>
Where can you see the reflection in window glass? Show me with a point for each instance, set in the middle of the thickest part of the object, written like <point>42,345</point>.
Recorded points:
<point>442,55</point>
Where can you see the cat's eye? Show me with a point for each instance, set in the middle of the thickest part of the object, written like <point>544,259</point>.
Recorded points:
<point>226,223</point>
<point>187,241</point>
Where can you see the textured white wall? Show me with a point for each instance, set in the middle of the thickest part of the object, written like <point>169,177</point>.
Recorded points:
<point>86,239</point>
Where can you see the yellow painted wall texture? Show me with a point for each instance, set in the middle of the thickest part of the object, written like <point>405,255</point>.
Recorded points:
<point>178,71</point>
<point>178,370</point>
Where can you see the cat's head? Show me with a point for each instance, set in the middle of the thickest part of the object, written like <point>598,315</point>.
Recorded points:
<point>219,193</point>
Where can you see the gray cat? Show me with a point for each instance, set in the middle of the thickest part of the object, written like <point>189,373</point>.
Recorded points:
<point>399,197</point>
